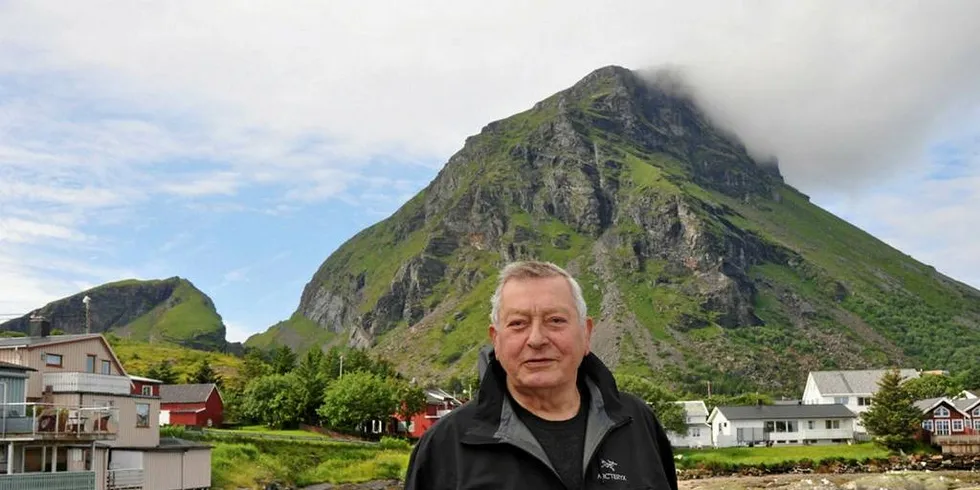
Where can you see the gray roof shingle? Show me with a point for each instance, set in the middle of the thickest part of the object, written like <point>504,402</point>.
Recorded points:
<point>962,405</point>
<point>694,408</point>
<point>760,412</point>
<point>185,393</point>
<point>32,341</point>
<point>857,382</point>
<point>17,367</point>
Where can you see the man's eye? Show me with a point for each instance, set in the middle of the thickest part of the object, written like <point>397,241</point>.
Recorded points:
<point>516,323</point>
<point>558,319</point>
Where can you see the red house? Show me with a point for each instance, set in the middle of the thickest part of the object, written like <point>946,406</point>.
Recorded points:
<point>945,416</point>
<point>145,386</point>
<point>438,404</point>
<point>197,405</point>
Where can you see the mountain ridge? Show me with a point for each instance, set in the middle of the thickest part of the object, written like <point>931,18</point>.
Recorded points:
<point>698,261</point>
<point>167,311</point>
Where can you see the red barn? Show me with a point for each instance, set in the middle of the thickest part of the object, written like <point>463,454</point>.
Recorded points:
<point>438,404</point>
<point>197,405</point>
<point>145,386</point>
<point>945,416</point>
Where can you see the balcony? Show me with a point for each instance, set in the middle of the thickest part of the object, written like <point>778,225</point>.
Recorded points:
<point>131,478</point>
<point>45,421</point>
<point>88,383</point>
<point>70,480</point>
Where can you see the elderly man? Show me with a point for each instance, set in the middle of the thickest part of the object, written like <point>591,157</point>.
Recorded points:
<point>548,413</point>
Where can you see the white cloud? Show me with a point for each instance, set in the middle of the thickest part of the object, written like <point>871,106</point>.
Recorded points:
<point>99,100</point>
<point>16,230</point>
<point>238,332</point>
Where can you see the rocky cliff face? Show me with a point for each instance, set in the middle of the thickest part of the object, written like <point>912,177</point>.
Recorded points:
<point>697,261</point>
<point>170,310</point>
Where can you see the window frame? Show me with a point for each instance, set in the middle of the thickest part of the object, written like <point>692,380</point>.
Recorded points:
<point>146,388</point>
<point>49,355</point>
<point>90,358</point>
<point>941,412</point>
<point>106,367</point>
<point>138,415</point>
<point>954,423</point>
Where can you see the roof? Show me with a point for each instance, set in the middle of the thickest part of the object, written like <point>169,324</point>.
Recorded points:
<point>49,339</point>
<point>167,444</point>
<point>19,367</point>
<point>759,412</point>
<point>694,408</point>
<point>144,380</point>
<point>962,404</point>
<point>186,393</point>
<point>435,395</point>
<point>32,342</point>
<point>856,382</point>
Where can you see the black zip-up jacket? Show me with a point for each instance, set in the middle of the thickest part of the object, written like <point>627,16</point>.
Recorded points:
<point>484,445</point>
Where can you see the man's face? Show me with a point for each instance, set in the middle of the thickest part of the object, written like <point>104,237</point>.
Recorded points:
<point>539,340</point>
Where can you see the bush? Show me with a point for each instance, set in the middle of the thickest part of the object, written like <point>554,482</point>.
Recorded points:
<point>388,442</point>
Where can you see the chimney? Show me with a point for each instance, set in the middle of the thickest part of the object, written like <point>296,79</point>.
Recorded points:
<point>40,326</point>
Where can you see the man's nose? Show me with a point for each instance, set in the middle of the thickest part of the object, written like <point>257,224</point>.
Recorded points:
<point>537,337</point>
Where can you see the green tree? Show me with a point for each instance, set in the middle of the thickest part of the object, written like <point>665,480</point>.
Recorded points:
<point>314,380</point>
<point>274,400</point>
<point>204,374</point>
<point>356,398</point>
<point>892,418</point>
<point>932,386</point>
<point>660,400</point>
<point>163,371</point>
<point>411,398</point>
<point>284,360</point>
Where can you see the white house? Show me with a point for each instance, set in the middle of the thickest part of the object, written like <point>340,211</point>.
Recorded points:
<point>852,389</point>
<point>698,431</point>
<point>781,424</point>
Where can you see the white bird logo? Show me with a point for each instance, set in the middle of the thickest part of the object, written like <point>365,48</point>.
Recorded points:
<point>609,465</point>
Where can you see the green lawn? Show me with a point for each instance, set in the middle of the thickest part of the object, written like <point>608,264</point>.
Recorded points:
<point>769,455</point>
<point>263,430</point>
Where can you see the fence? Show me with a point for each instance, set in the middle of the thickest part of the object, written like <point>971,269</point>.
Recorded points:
<point>70,480</point>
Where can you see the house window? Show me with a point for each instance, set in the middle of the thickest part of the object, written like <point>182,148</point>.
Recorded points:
<point>832,424</point>
<point>106,367</point>
<point>864,401</point>
<point>52,359</point>
<point>927,425</point>
<point>841,400</point>
<point>976,412</point>
<point>976,424</point>
<point>147,391</point>
<point>957,425</point>
<point>695,432</point>
<point>142,415</point>
<point>810,424</point>
<point>942,412</point>
<point>90,363</point>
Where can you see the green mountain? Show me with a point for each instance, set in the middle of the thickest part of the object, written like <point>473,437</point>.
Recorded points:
<point>698,262</point>
<point>168,311</point>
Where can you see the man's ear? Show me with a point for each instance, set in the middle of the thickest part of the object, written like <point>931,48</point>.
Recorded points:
<point>492,333</point>
<point>588,334</point>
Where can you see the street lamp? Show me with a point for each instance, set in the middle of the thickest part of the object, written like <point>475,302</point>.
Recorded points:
<point>88,319</point>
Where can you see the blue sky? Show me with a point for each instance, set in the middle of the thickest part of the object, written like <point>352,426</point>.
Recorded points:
<point>238,147</point>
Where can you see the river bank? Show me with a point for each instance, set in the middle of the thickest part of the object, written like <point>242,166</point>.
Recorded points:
<point>898,480</point>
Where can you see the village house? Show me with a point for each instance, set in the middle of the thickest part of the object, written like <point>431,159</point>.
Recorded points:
<point>945,416</point>
<point>781,424</point>
<point>698,433</point>
<point>853,389</point>
<point>438,403</point>
<point>72,418</point>
<point>191,405</point>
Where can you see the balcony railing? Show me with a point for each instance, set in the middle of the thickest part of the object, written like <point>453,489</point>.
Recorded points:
<point>130,478</point>
<point>63,422</point>
<point>74,382</point>
<point>68,480</point>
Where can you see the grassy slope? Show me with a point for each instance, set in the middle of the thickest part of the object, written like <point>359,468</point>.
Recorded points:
<point>191,319</point>
<point>138,356</point>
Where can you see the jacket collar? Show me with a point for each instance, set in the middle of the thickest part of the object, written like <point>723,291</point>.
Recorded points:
<point>496,420</point>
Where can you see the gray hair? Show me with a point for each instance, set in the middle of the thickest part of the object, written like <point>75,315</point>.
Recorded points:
<point>533,269</point>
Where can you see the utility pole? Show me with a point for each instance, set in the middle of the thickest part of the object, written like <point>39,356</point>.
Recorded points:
<point>709,388</point>
<point>88,317</point>
<point>341,365</point>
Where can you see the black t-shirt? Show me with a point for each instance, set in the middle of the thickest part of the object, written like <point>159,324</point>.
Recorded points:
<point>563,441</point>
